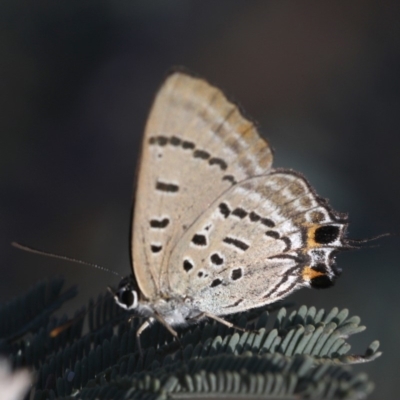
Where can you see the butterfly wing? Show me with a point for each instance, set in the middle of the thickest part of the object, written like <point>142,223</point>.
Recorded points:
<point>196,146</point>
<point>260,240</point>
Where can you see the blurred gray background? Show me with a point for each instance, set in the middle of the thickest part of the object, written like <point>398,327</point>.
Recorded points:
<point>321,78</point>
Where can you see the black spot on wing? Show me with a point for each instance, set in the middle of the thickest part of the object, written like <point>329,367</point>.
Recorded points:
<point>218,161</point>
<point>267,222</point>
<point>239,212</point>
<point>320,268</point>
<point>187,145</point>
<point>155,248</point>
<point>159,140</point>
<point>273,234</point>
<point>216,282</point>
<point>236,274</point>
<point>167,187</point>
<point>236,242</point>
<point>321,282</point>
<point>254,217</point>
<point>216,259</point>
<point>199,240</point>
<point>175,141</point>
<point>229,178</point>
<point>159,223</point>
<point>287,242</point>
<point>326,234</point>
<point>224,210</point>
<point>187,265</point>
<point>204,155</point>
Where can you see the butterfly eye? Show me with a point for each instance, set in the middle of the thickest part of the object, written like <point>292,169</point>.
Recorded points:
<point>127,298</point>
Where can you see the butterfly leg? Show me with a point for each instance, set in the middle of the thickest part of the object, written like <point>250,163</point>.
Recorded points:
<point>172,331</point>
<point>224,322</point>
<point>142,327</point>
<point>149,322</point>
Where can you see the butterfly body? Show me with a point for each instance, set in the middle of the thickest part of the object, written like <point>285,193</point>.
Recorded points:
<point>216,230</point>
<point>175,311</point>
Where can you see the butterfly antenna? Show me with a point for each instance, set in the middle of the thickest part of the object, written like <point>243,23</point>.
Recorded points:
<point>59,257</point>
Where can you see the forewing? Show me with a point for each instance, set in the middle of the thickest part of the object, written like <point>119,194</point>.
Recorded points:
<point>196,146</point>
<point>259,241</point>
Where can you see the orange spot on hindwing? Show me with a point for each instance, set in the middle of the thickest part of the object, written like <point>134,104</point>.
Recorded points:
<point>320,235</point>
<point>309,273</point>
<point>317,277</point>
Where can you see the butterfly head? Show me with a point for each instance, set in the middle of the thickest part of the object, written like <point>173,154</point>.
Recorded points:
<point>126,296</point>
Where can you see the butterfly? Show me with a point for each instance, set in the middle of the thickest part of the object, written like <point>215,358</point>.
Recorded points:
<point>216,230</point>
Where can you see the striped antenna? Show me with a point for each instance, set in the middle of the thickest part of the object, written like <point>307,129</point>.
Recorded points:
<point>64,258</point>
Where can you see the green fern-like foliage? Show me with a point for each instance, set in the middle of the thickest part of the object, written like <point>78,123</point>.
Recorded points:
<point>303,354</point>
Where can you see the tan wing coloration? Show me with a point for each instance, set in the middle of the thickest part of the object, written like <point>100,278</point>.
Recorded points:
<point>259,241</point>
<point>196,146</point>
